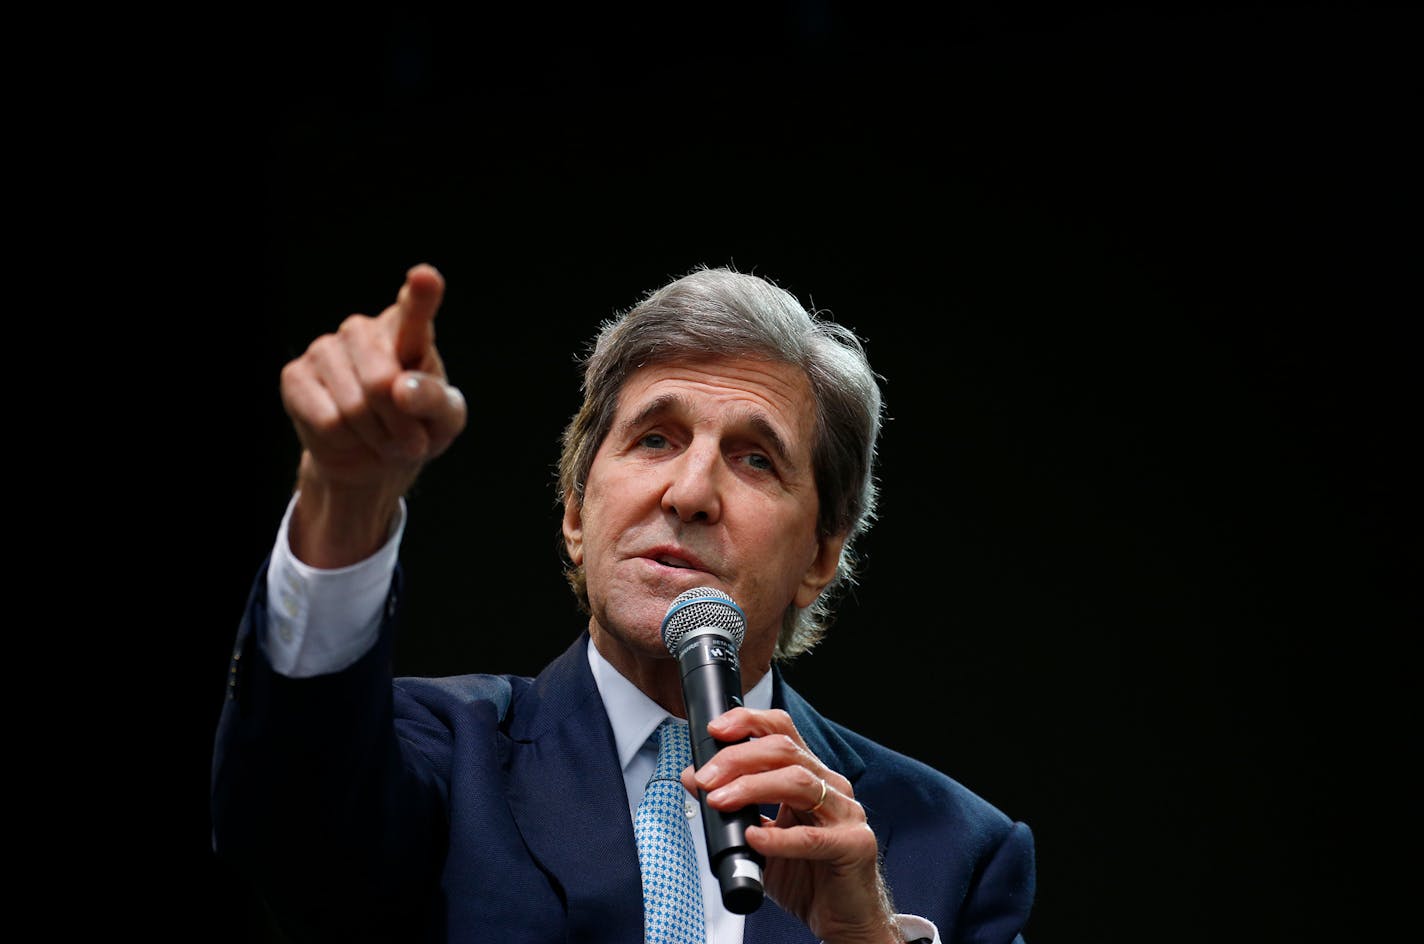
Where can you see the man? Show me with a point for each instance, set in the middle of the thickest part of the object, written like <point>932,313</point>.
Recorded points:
<point>726,440</point>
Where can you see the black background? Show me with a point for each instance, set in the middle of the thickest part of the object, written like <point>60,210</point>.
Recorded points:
<point>1140,284</point>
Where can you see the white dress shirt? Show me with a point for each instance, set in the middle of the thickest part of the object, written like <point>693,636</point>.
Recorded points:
<point>350,600</point>
<point>635,718</point>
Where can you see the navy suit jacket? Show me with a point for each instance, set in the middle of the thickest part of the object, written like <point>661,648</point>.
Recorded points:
<point>492,808</point>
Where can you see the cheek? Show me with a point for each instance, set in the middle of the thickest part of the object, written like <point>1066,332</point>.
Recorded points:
<point>607,513</point>
<point>783,561</point>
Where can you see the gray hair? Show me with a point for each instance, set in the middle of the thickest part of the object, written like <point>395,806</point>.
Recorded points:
<point>723,313</point>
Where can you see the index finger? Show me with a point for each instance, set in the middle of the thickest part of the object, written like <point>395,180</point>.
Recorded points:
<point>413,314</point>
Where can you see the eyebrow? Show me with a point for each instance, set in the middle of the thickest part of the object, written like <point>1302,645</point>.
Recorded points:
<point>671,403</point>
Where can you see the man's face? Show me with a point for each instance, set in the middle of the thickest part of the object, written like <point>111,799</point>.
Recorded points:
<point>704,480</point>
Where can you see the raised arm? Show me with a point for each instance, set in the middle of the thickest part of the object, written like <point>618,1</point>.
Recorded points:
<point>371,405</point>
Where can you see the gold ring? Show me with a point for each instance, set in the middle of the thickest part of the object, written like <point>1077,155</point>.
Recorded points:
<point>822,799</point>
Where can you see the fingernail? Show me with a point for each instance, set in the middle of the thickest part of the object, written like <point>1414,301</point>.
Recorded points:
<point>707,775</point>
<point>454,395</point>
<point>412,383</point>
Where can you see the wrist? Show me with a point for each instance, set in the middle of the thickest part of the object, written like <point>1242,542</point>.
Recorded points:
<point>884,929</point>
<point>334,524</point>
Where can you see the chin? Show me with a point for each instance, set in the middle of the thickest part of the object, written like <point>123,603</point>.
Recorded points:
<point>635,621</point>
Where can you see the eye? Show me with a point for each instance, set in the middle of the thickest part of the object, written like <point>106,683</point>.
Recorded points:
<point>760,462</point>
<point>654,441</point>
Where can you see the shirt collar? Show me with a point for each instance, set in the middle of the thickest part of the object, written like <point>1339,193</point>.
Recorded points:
<point>635,716</point>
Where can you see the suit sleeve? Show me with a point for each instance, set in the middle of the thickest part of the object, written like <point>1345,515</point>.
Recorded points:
<point>997,906</point>
<point>337,823</point>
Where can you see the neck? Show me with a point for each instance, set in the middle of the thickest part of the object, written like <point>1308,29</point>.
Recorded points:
<point>656,674</point>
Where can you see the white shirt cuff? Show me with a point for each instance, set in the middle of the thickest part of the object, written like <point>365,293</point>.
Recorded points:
<point>913,928</point>
<point>322,621</point>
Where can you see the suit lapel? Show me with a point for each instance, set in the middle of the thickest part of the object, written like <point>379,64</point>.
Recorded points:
<point>820,737</point>
<point>567,795</point>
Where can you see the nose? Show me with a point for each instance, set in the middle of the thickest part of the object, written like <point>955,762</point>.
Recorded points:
<point>694,489</point>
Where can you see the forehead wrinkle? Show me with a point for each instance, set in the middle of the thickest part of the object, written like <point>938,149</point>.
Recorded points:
<point>674,404</point>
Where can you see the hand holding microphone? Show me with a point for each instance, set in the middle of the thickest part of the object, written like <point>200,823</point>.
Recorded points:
<point>830,880</point>
<point>703,629</point>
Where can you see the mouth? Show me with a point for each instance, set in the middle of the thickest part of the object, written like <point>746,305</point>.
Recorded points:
<point>675,558</point>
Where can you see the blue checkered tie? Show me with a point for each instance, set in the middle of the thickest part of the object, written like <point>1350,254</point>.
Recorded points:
<point>672,882</point>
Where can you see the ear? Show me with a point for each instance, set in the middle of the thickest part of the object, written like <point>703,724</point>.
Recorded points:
<point>573,528</point>
<point>822,569</point>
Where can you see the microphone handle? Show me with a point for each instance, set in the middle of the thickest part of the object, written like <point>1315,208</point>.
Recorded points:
<point>712,685</point>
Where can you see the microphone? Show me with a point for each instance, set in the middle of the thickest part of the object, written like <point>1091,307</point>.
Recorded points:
<point>703,630</point>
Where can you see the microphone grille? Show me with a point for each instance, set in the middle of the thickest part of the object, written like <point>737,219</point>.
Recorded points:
<point>699,607</point>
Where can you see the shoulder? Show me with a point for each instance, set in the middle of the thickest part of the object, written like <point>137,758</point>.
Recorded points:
<point>949,854</point>
<point>479,705</point>
<point>898,790</point>
<point>447,692</point>
<point>903,789</point>
<point>432,714</point>
<point>449,701</point>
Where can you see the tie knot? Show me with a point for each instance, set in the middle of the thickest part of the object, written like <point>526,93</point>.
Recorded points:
<point>674,750</point>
